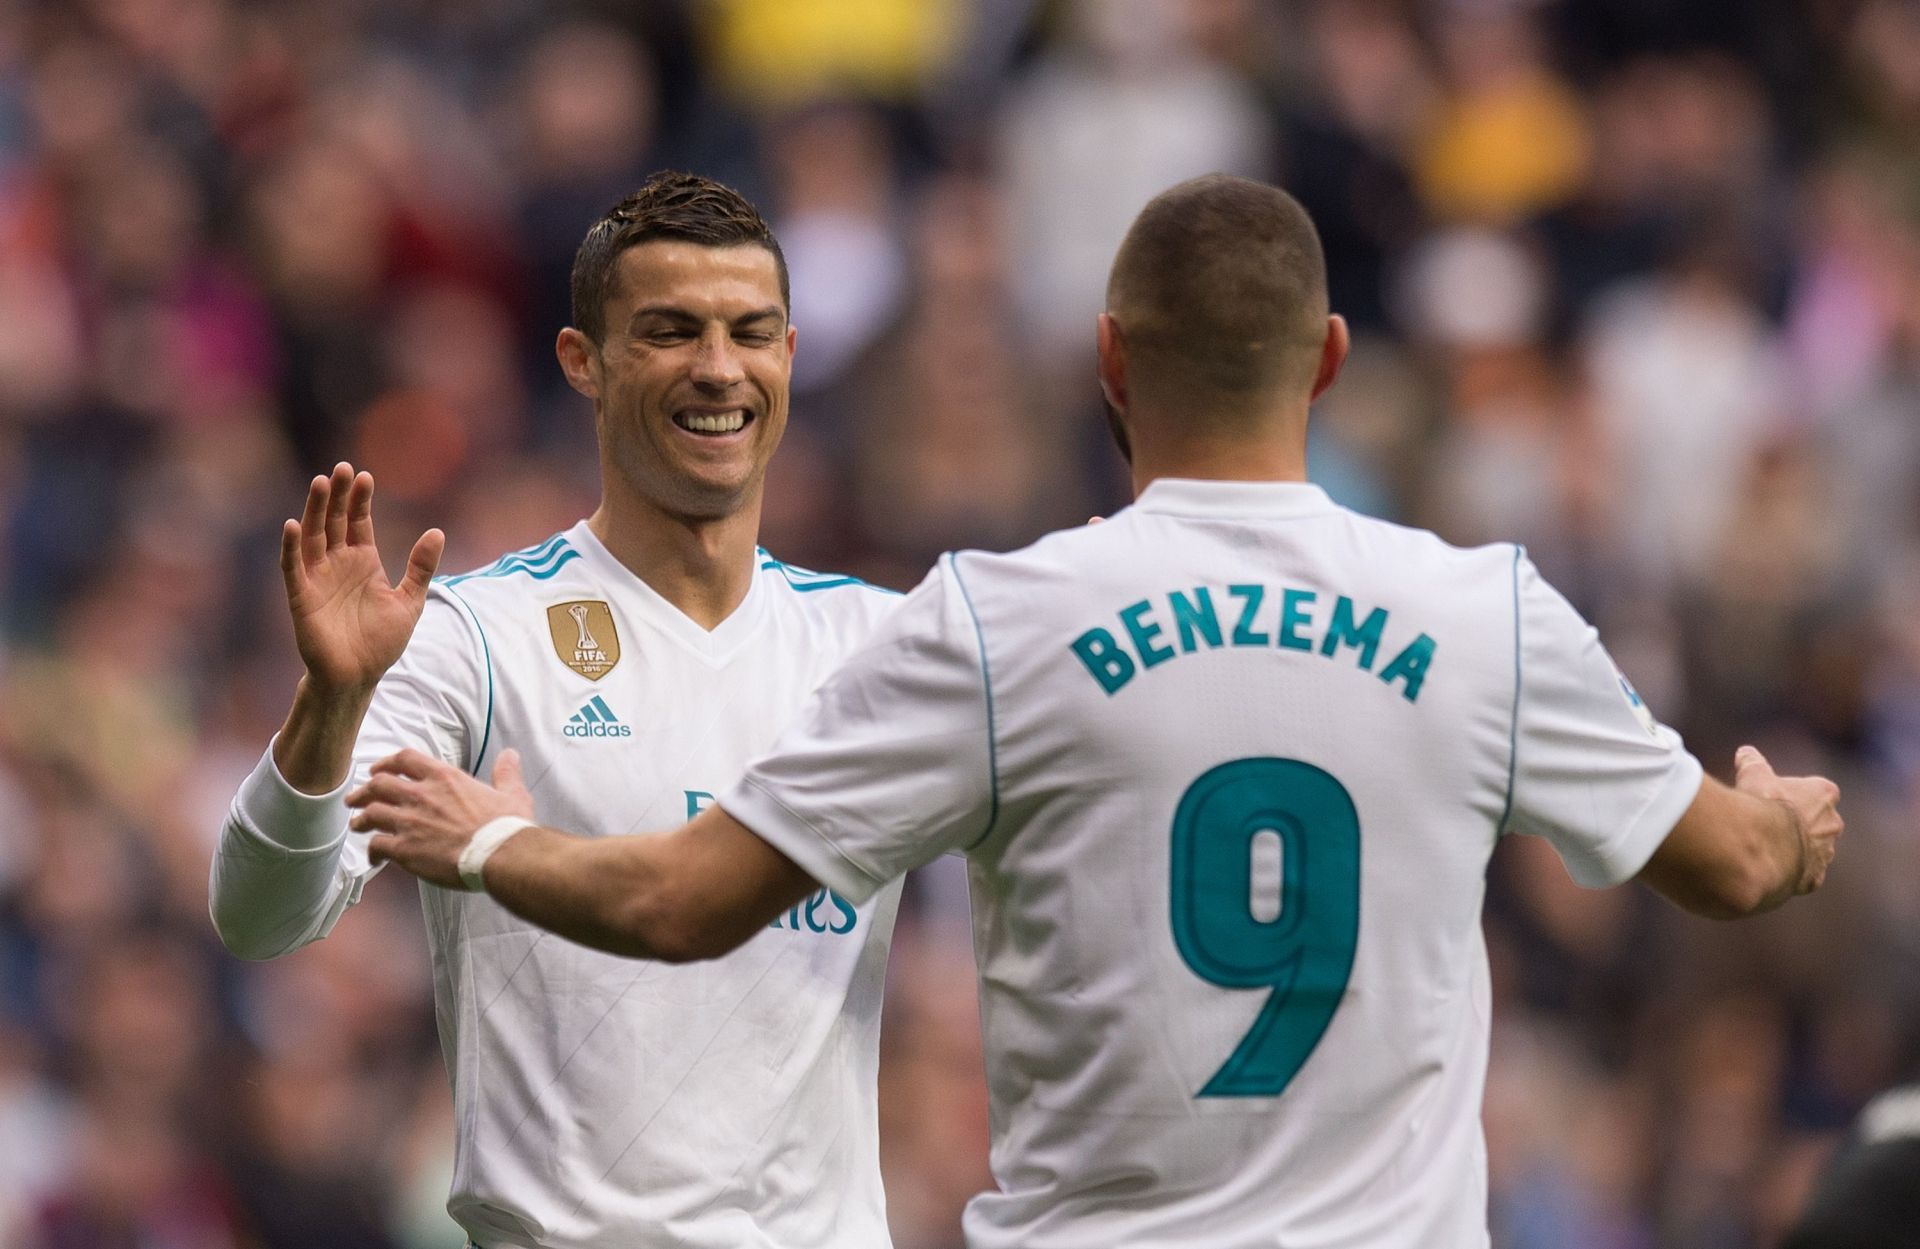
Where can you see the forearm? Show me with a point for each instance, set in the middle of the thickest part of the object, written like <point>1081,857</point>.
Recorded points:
<point>1732,855</point>
<point>696,892</point>
<point>599,892</point>
<point>314,750</point>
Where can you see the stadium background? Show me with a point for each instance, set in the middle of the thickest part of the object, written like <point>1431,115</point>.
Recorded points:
<point>1635,283</point>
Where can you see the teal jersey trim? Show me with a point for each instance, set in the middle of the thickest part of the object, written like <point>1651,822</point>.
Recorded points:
<point>1513,728</point>
<point>539,562</point>
<point>531,555</point>
<point>986,681</point>
<point>805,580</point>
<point>486,652</point>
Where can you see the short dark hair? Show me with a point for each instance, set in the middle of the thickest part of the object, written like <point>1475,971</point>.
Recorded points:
<point>1221,287</point>
<point>684,207</point>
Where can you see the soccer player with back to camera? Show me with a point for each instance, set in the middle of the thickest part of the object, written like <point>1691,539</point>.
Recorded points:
<point>1228,769</point>
<point>634,663</point>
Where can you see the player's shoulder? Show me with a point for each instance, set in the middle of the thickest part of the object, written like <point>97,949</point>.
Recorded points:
<point>1472,586</point>
<point>1030,581</point>
<point>548,570</point>
<point>1427,549</point>
<point>832,596</point>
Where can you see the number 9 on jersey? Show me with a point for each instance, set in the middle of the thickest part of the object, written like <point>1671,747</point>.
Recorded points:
<point>1226,820</point>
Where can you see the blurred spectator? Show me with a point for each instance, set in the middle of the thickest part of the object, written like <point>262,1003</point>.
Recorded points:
<point>834,174</point>
<point>1687,383</point>
<point>36,1136</point>
<point>136,1180</point>
<point>771,53</point>
<point>1349,134</point>
<point>584,122</point>
<point>1509,138</point>
<point>1126,108</point>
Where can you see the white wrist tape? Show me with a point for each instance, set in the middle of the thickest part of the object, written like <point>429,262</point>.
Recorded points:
<point>485,840</point>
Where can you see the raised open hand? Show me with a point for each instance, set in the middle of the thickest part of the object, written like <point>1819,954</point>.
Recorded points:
<point>348,621</point>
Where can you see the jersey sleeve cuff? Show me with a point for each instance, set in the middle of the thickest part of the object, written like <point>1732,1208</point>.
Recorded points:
<point>280,815</point>
<point>1627,853</point>
<point>792,835</point>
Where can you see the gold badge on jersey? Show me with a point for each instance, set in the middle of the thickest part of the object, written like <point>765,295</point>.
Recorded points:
<point>584,637</point>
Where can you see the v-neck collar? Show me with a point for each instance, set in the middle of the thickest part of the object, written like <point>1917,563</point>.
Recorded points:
<point>716,645</point>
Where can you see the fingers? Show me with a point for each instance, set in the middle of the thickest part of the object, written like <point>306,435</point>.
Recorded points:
<point>339,505</point>
<point>1750,767</point>
<point>382,787</point>
<point>409,855</point>
<point>421,564</point>
<point>1816,799</point>
<point>292,570</point>
<point>506,771</point>
<point>340,486</point>
<point>1821,849</point>
<point>313,520</point>
<point>360,510</point>
<point>415,764</point>
<point>382,816</point>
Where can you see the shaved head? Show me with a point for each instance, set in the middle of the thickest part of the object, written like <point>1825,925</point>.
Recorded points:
<point>1220,291</point>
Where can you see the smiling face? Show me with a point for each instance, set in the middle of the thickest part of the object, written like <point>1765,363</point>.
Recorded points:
<point>690,382</point>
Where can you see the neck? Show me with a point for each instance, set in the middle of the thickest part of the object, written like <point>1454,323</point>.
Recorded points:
<point>703,567</point>
<point>1209,453</point>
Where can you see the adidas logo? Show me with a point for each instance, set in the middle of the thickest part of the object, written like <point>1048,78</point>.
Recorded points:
<point>596,719</point>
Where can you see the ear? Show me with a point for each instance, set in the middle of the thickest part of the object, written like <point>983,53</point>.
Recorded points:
<point>579,360</point>
<point>1113,362</point>
<point>1333,354</point>
<point>793,340</point>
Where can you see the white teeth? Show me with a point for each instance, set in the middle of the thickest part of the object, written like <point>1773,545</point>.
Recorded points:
<point>715,423</point>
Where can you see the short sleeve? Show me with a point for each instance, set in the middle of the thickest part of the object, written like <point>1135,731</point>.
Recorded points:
<point>890,763</point>
<point>1593,771</point>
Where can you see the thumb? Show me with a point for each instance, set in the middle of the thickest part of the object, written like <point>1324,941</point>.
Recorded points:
<point>1750,765</point>
<point>421,563</point>
<point>506,771</point>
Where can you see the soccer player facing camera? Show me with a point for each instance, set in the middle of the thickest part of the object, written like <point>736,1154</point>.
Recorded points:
<point>1228,770</point>
<point>635,663</point>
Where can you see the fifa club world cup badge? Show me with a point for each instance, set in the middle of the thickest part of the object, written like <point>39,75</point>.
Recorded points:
<point>584,637</point>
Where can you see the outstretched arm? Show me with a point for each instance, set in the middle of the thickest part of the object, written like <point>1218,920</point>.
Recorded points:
<point>694,893</point>
<point>888,765</point>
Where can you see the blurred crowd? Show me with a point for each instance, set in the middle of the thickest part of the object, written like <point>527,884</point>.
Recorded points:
<point>1634,283</point>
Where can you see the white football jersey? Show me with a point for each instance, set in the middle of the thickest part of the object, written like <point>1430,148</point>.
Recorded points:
<point>1228,769</point>
<point>604,1102</point>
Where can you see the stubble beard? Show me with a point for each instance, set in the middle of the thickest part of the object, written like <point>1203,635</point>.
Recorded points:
<point>683,495</point>
<point>653,479</point>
